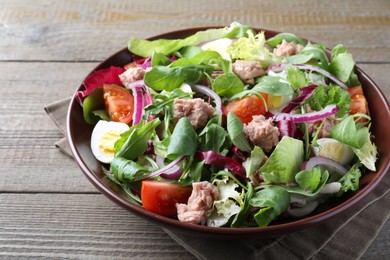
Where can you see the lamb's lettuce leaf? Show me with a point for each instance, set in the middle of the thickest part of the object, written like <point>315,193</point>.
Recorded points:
<point>134,142</point>
<point>289,37</point>
<point>169,78</point>
<point>235,129</point>
<point>342,66</point>
<point>184,139</point>
<point>227,84</point>
<point>272,201</point>
<point>350,133</point>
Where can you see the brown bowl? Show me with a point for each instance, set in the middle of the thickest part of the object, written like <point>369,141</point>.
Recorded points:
<point>79,134</point>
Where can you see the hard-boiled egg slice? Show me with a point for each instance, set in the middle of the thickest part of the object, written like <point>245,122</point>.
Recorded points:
<point>104,136</point>
<point>335,150</point>
<point>220,46</point>
<point>277,103</point>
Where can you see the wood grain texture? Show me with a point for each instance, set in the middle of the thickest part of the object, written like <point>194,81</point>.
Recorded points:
<point>78,226</point>
<point>91,30</point>
<point>48,209</point>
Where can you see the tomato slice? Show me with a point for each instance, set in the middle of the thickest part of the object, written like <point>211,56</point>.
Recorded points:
<point>358,100</point>
<point>247,107</point>
<point>119,103</point>
<point>161,197</point>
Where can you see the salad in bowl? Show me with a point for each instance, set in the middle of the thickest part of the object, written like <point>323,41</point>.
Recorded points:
<point>229,128</point>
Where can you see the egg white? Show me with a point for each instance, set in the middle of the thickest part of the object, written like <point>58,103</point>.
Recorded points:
<point>220,46</point>
<point>102,129</point>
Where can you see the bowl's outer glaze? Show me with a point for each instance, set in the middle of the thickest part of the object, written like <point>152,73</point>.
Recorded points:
<point>79,134</point>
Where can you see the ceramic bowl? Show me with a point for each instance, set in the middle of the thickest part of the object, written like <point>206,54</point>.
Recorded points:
<point>79,134</point>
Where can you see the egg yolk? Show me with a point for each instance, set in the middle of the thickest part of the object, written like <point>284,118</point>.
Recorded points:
<point>107,142</point>
<point>274,101</point>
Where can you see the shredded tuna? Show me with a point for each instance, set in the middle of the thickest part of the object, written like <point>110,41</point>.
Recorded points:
<point>248,70</point>
<point>287,48</point>
<point>132,74</point>
<point>262,132</point>
<point>200,203</point>
<point>313,126</point>
<point>197,111</point>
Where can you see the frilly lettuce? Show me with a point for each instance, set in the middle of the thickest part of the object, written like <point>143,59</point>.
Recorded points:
<point>252,48</point>
<point>228,204</point>
<point>367,154</point>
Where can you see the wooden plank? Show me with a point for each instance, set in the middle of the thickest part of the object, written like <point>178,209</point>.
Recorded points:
<point>92,30</point>
<point>78,226</point>
<point>91,226</point>
<point>30,162</point>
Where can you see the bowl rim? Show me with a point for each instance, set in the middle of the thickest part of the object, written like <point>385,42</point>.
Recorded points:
<point>267,231</point>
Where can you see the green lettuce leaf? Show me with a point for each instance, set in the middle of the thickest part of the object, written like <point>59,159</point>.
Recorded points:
<point>252,164</point>
<point>350,133</point>
<point>214,137</point>
<point>184,139</point>
<point>252,48</point>
<point>342,66</point>
<point>273,85</point>
<point>367,154</point>
<point>145,48</point>
<point>284,162</point>
<point>127,170</point>
<point>134,142</point>
<point>169,78</point>
<point>235,129</point>
<point>227,84</point>
<point>307,184</point>
<point>350,181</point>
<point>277,39</point>
<point>273,200</point>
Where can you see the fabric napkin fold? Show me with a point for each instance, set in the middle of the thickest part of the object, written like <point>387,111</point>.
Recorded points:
<point>345,236</point>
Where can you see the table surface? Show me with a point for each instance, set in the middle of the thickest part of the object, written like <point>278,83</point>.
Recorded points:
<point>47,207</point>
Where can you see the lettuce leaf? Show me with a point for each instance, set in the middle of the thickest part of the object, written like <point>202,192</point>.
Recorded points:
<point>350,133</point>
<point>350,181</point>
<point>253,48</point>
<point>226,206</point>
<point>145,48</point>
<point>367,154</point>
<point>342,66</point>
<point>284,162</point>
<point>272,201</point>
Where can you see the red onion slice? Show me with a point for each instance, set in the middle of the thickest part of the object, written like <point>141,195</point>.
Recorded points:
<point>138,104</point>
<point>207,91</point>
<point>281,67</point>
<point>329,110</point>
<point>326,162</point>
<point>170,171</point>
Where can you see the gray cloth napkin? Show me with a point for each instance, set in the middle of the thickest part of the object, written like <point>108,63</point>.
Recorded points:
<point>345,236</point>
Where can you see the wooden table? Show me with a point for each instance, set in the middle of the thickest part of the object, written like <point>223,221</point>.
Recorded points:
<point>47,207</point>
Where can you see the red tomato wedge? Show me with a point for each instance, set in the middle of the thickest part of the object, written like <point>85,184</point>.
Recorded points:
<point>161,197</point>
<point>119,103</point>
<point>358,101</point>
<point>247,107</point>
